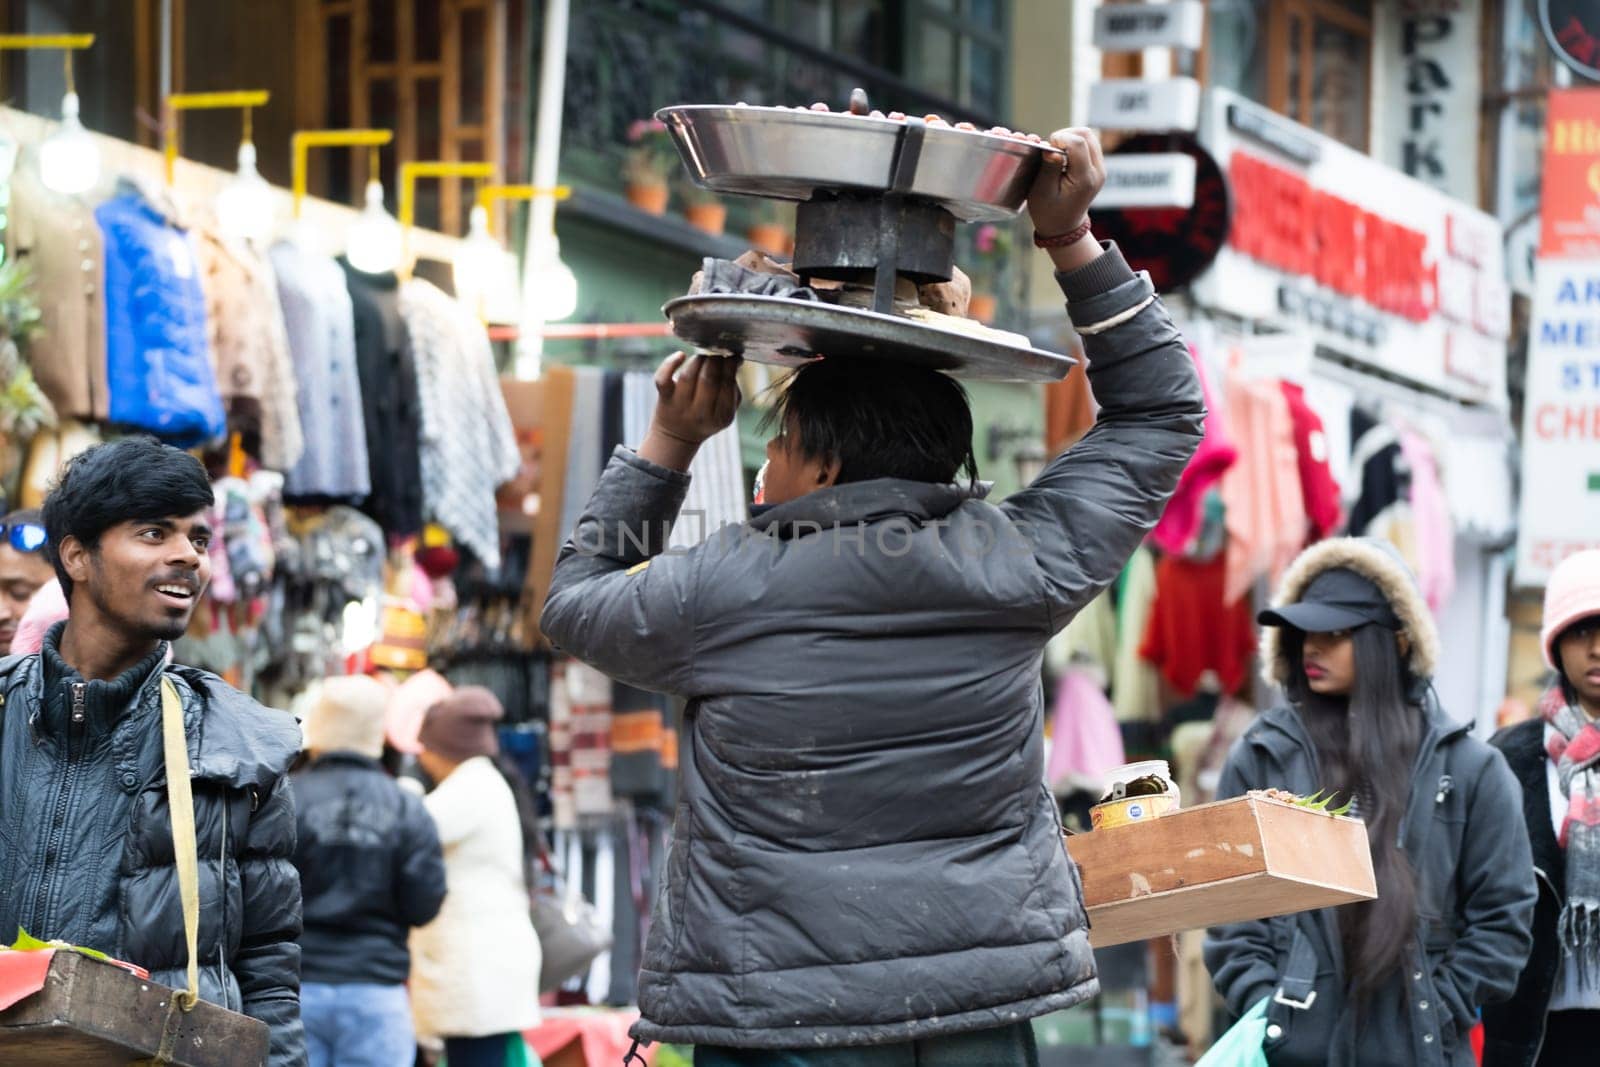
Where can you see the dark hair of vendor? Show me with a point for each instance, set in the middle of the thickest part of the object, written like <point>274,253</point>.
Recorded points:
<point>122,481</point>
<point>880,420</point>
<point>1365,745</point>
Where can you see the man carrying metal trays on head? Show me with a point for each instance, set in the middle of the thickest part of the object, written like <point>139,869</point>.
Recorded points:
<point>866,867</point>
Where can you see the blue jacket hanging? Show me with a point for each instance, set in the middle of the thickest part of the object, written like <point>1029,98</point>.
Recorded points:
<point>158,359</point>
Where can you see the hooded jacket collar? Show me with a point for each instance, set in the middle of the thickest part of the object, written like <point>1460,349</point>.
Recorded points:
<point>1380,563</point>
<point>866,502</point>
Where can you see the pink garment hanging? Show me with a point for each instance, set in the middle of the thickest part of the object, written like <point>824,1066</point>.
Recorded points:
<point>1430,515</point>
<point>1084,739</point>
<point>1266,510</point>
<point>1181,522</point>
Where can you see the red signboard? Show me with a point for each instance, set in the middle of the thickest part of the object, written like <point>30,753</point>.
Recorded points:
<point>1284,221</point>
<point>1569,204</point>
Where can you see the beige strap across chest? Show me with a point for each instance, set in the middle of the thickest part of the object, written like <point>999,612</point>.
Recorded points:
<point>180,804</point>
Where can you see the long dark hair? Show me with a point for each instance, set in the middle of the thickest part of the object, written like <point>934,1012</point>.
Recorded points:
<point>1366,744</point>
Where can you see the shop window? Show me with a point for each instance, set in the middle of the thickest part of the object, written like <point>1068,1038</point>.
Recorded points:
<point>957,50</point>
<point>431,70</point>
<point>1308,59</point>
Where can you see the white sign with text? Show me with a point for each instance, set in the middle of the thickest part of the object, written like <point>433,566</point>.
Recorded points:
<point>1560,510</point>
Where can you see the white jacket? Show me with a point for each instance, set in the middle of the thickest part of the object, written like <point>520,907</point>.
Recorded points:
<point>475,968</point>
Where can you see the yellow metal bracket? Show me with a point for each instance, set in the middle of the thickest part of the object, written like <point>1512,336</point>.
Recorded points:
<point>65,42</point>
<point>410,172</point>
<point>488,194</point>
<point>305,140</point>
<point>245,99</point>
<point>72,42</point>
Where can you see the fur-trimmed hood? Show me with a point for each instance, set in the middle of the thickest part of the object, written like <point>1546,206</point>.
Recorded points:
<point>1380,563</point>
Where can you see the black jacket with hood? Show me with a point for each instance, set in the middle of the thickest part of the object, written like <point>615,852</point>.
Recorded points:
<point>1514,1031</point>
<point>864,851</point>
<point>86,839</point>
<point>1463,835</point>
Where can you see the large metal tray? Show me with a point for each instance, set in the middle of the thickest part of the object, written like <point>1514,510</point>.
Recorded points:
<point>791,155</point>
<point>772,329</point>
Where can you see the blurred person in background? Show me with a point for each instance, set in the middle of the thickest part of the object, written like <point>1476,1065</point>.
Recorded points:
<point>370,869</point>
<point>475,968</point>
<point>24,570</point>
<point>1554,1018</point>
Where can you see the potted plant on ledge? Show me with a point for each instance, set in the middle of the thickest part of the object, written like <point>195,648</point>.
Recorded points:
<point>771,230</point>
<point>704,210</point>
<point>650,159</point>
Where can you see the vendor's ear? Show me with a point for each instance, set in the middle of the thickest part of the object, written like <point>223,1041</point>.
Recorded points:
<point>1403,641</point>
<point>827,473</point>
<point>74,556</point>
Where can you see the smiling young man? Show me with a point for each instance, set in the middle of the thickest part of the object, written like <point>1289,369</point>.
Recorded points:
<point>86,839</point>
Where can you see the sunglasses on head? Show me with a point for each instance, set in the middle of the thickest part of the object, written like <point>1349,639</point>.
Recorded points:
<point>24,536</point>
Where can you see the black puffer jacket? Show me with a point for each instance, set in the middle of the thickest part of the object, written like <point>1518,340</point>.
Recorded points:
<point>865,852</point>
<point>1514,1031</point>
<point>86,840</point>
<point>1462,834</point>
<point>370,869</point>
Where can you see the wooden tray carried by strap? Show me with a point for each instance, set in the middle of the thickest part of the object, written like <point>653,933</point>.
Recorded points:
<point>93,1014</point>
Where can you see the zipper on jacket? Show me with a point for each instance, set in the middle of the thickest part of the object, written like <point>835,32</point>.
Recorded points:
<point>58,830</point>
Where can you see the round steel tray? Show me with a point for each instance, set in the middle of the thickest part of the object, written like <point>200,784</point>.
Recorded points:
<point>790,155</point>
<point>773,329</point>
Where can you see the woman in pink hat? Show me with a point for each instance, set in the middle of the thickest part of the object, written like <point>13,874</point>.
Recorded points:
<point>1554,1018</point>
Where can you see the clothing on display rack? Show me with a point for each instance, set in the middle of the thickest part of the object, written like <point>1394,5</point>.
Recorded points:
<point>1378,494</point>
<point>1318,490</point>
<point>1180,523</point>
<point>250,347</point>
<point>1266,515</point>
<point>586,449</point>
<point>468,448</point>
<point>57,238</point>
<point>1434,563</point>
<point>390,404</point>
<point>320,324</point>
<point>158,349</point>
<point>1136,686</point>
<point>1194,628</point>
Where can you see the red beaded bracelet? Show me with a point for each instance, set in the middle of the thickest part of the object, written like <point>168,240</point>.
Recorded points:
<point>1062,240</point>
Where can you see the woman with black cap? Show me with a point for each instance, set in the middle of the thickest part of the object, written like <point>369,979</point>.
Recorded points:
<point>1398,980</point>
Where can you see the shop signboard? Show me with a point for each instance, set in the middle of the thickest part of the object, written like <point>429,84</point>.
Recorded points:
<point>1560,511</point>
<point>1326,240</point>
<point>1137,104</point>
<point>1560,508</point>
<point>1429,57</point>
<point>1135,27</point>
<point>1152,179</point>
<point>1569,198</point>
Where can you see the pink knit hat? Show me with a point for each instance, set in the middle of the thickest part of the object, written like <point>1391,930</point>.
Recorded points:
<point>1573,593</point>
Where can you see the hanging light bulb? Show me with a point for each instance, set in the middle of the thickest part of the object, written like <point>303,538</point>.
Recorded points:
<point>485,273</point>
<point>551,293</point>
<point>246,207</point>
<point>69,160</point>
<point>374,243</point>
